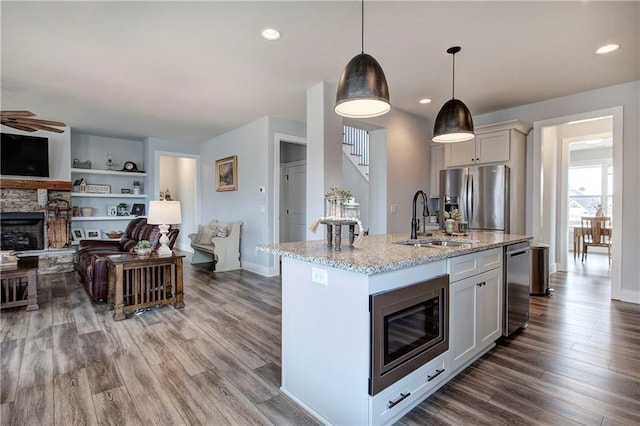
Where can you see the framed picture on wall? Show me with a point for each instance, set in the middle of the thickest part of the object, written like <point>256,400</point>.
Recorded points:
<point>77,234</point>
<point>93,234</point>
<point>137,210</point>
<point>227,174</point>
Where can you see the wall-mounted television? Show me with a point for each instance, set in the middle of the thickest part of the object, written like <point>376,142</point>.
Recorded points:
<point>22,155</point>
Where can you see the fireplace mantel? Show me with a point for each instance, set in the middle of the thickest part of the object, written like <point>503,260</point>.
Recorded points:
<point>59,185</point>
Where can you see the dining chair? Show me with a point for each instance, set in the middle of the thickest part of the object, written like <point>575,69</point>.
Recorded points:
<point>596,232</point>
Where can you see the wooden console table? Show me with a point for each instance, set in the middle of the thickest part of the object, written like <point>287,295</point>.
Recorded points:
<point>20,284</point>
<point>138,283</point>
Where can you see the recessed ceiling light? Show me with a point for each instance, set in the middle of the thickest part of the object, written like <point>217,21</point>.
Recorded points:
<point>270,34</point>
<point>608,48</point>
<point>425,101</point>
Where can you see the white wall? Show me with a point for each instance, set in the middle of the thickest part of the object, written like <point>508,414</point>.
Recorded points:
<point>353,180</point>
<point>253,144</point>
<point>59,153</point>
<point>407,161</point>
<point>625,95</point>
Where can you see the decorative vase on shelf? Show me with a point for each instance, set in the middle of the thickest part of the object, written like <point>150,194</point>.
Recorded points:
<point>136,190</point>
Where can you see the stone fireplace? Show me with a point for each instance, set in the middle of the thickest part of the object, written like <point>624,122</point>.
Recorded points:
<point>23,217</point>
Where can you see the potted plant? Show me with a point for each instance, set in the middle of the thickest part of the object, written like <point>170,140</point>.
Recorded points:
<point>143,248</point>
<point>335,201</point>
<point>452,220</point>
<point>136,186</point>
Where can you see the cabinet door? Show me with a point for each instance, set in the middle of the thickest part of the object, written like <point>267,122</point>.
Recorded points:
<point>460,153</point>
<point>462,331</point>
<point>437,164</point>
<point>492,147</point>
<point>489,307</point>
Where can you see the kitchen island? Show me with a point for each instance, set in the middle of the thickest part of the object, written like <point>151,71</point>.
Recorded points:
<point>327,323</point>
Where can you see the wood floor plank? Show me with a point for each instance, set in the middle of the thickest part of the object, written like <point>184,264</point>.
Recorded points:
<point>195,406</point>
<point>10,361</point>
<point>115,408</point>
<point>152,403</point>
<point>100,366</point>
<point>282,411</point>
<point>66,354</point>
<point>34,396</point>
<point>73,404</point>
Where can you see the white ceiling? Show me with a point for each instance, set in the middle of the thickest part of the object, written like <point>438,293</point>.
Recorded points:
<point>190,71</point>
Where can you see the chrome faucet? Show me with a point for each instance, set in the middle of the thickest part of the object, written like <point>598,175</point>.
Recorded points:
<point>415,224</point>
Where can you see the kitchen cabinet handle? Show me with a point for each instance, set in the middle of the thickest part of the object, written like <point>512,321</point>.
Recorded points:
<point>481,284</point>
<point>438,372</point>
<point>397,401</point>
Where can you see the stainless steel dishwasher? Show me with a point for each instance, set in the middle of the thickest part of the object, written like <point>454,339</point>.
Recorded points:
<point>517,280</point>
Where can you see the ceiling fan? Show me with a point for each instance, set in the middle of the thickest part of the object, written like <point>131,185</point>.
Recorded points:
<point>25,120</point>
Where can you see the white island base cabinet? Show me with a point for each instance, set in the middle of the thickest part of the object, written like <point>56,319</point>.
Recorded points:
<point>476,305</point>
<point>326,334</point>
<point>326,343</point>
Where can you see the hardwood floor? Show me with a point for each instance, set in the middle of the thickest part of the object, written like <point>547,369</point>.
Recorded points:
<point>217,361</point>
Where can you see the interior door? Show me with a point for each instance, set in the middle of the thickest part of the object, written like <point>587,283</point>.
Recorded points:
<point>294,200</point>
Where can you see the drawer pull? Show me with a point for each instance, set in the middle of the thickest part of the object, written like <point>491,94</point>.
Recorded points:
<point>397,401</point>
<point>438,372</point>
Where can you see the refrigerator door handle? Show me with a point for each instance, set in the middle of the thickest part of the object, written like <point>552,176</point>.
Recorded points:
<point>471,199</point>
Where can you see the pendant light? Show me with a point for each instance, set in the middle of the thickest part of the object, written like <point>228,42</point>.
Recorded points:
<point>454,122</point>
<point>362,89</point>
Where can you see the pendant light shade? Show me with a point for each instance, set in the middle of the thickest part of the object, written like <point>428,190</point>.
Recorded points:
<point>362,89</point>
<point>454,122</point>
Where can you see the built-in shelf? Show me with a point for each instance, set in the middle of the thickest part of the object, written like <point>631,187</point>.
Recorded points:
<point>109,195</point>
<point>101,218</point>
<point>108,172</point>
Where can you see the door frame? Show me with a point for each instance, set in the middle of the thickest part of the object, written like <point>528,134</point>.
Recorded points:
<point>196,183</point>
<point>538,211</point>
<point>278,138</point>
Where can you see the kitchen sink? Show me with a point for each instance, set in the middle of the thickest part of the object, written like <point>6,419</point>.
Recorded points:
<point>436,243</point>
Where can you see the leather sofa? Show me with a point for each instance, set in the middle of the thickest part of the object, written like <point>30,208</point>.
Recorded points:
<point>91,260</point>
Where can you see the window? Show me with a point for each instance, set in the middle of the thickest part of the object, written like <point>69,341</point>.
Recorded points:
<point>590,186</point>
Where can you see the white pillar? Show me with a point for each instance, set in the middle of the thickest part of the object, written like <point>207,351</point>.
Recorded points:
<point>324,150</point>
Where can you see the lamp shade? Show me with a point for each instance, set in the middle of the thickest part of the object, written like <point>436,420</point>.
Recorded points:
<point>453,123</point>
<point>164,213</point>
<point>362,89</point>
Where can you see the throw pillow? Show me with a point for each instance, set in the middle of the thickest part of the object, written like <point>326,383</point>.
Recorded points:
<point>207,234</point>
<point>198,238</point>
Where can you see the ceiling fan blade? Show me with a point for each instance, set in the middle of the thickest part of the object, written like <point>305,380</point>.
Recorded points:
<point>37,121</point>
<point>42,127</point>
<point>18,126</point>
<point>16,114</point>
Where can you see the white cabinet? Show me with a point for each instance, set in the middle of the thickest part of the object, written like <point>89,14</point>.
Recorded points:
<point>485,148</point>
<point>500,143</point>
<point>436,164</point>
<point>476,305</point>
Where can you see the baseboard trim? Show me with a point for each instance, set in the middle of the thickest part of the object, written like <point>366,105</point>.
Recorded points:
<point>265,271</point>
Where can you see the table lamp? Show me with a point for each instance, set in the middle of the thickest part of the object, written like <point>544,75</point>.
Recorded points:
<point>163,214</point>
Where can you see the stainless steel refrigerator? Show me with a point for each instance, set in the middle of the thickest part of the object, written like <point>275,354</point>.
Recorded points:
<point>481,194</point>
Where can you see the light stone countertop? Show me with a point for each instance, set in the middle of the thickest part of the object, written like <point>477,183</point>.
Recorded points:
<point>380,253</point>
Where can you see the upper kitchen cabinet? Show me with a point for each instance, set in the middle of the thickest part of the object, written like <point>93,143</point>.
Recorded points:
<point>437,164</point>
<point>495,143</point>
